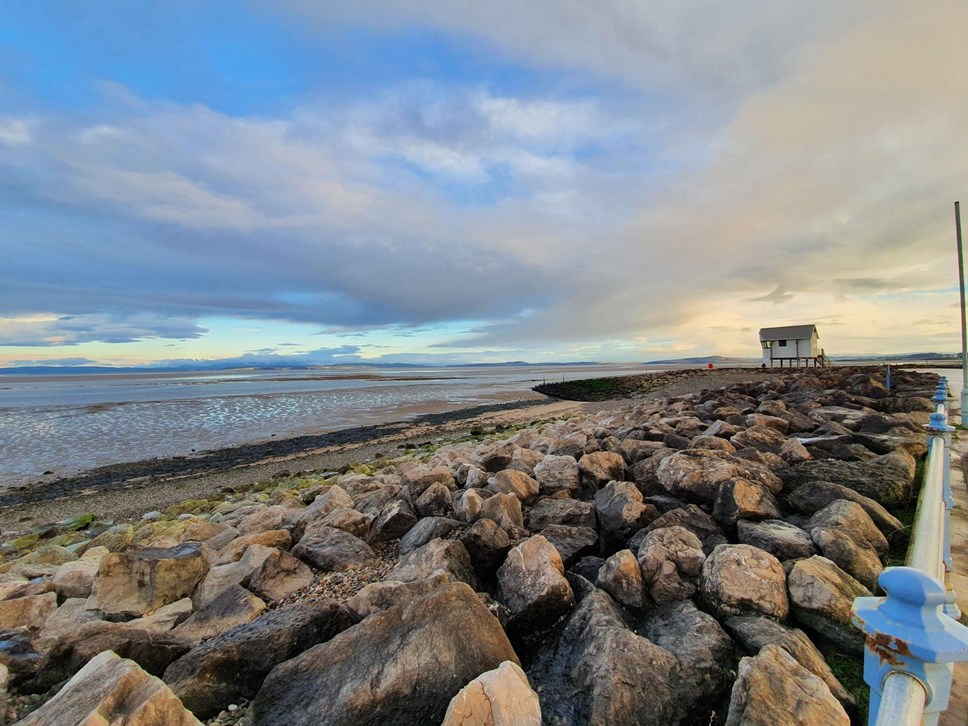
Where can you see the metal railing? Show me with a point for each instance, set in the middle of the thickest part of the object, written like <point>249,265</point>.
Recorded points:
<point>912,634</point>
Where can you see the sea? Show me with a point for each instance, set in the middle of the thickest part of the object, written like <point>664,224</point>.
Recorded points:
<point>69,423</point>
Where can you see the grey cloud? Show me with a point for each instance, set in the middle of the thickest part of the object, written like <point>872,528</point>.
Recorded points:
<point>48,330</point>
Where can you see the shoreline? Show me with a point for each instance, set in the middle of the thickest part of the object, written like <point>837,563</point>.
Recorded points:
<point>125,490</point>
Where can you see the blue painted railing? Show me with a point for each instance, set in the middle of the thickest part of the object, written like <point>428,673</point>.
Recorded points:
<point>912,634</point>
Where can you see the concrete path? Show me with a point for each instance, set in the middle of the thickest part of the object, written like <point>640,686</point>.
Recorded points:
<point>957,713</point>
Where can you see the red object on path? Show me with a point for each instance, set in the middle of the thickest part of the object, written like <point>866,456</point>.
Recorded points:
<point>710,366</point>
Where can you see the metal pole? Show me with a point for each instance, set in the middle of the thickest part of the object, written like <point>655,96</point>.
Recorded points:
<point>964,327</point>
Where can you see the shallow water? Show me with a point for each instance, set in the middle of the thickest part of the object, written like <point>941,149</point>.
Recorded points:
<point>75,422</point>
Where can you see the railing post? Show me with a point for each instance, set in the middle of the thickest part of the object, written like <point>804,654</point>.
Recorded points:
<point>907,633</point>
<point>887,377</point>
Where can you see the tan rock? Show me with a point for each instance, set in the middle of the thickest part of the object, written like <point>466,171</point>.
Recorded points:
<point>111,690</point>
<point>772,688</point>
<point>29,612</point>
<point>502,697</point>
<point>739,580</point>
<point>234,550</point>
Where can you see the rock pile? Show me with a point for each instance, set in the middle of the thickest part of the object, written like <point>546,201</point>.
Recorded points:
<point>611,568</point>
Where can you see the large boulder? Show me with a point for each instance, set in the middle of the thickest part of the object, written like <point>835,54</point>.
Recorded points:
<point>781,539</point>
<point>31,611</point>
<point>333,498</point>
<point>814,496</point>
<point>821,595</point>
<point>886,479</point>
<point>330,549</point>
<point>137,581</point>
<point>572,543</point>
<point>704,650</point>
<point>772,688</point>
<point>378,596</point>
<point>621,578</point>
<point>112,690</point>
<point>220,578</point>
<point>671,561</point>
<point>754,632</point>
<point>395,520</point>
<point>511,481</point>
<point>233,606</point>
<point>487,544</point>
<point>621,510</point>
<point>502,697</point>
<point>279,576</point>
<point>601,467</point>
<point>597,671</point>
<point>739,579</point>
<point>696,521</point>
<point>233,665</point>
<point>449,556</point>
<point>557,473</point>
<point>570,512</point>
<point>427,529</point>
<point>505,509</point>
<point>532,585</point>
<point>743,499</point>
<point>400,666</point>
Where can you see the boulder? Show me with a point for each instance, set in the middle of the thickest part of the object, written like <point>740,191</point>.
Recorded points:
<point>772,688</point>
<point>279,575</point>
<point>382,672</point>
<point>814,496</point>
<point>696,474</point>
<point>449,556</point>
<point>233,551</point>
<point>705,652</point>
<point>821,595</point>
<point>18,655</point>
<point>671,561</point>
<point>621,578</point>
<point>850,517</point>
<point>517,483</point>
<point>696,521</point>
<point>561,511</point>
<point>532,586</point>
<point>137,581</point>
<point>743,499</point>
<point>428,529</point>
<point>263,520</point>
<point>782,540</point>
<point>597,671</point>
<point>886,479</point>
<point>601,467</point>
<point>467,505</point>
<point>348,520</point>
<point>379,596</point>
<point>29,612</point>
<point>330,549</point>
<point>333,498</point>
<point>572,543</point>
<point>505,509</point>
<point>220,578</point>
<point>739,580</point>
<point>621,510</point>
<point>76,579</point>
<point>112,690</point>
<point>434,502</point>
<point>233,665</point>
<point>761,438</point>
<point>487,545</point>
<point>233,606</point>
<point>754,632</point>
<point>395,520</point>
<point>501,697</point>
<point>420,478</point>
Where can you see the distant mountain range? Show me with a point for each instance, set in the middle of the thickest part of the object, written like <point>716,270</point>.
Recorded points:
<point>213,366</point>
<point>717,360</point>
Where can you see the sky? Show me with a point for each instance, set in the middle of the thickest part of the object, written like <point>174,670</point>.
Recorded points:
<point>313,181</point>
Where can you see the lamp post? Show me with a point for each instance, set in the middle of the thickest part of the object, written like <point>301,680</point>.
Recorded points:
<point>964,328</point>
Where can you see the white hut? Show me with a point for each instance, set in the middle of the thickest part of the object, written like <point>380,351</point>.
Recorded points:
<point>794,344</point>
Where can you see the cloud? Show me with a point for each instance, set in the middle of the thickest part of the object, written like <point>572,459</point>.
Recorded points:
<point>45,330</point>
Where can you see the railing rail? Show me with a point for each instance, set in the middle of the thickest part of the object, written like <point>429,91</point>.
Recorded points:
<point>912,634</point>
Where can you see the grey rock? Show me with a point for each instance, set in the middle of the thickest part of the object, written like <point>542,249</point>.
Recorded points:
<point>671,561</point>
<point>621,510</point>
<point>572,543</point>
<point>279,576</point>
<point>743,499</point>
<point>814,496</point>
<point>379,596</point>
<point>382,672</point>
<point>532,586</point>
<point>330,549</point>
<point>621,578</point>
<point>561,511</point>
<point>886,479</point>
<point>601,467</point>
<point>427,529</point>
<point>449,556</point>
<point>233,606</point>
<point>394,521</point>
<point>487,545</point>
<point>781,539</point>
<point>233,665</point>
<point>505,509</point>
<point>821,595</point>
<point>696,521</point>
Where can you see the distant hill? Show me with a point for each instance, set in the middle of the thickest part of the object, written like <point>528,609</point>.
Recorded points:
<point>703,360</point>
